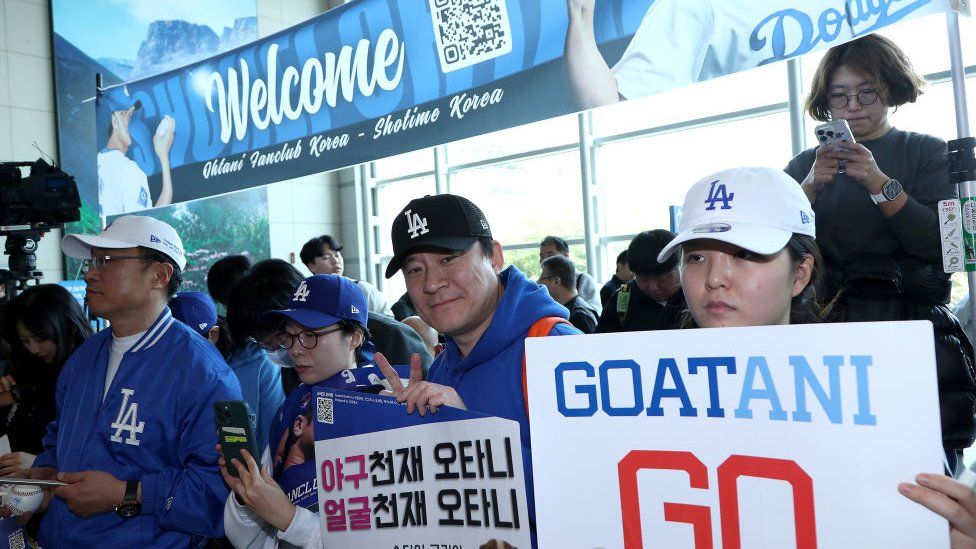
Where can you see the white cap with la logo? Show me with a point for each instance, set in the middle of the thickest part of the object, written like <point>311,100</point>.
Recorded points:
<point>758,209</point>
<point>128,231</point>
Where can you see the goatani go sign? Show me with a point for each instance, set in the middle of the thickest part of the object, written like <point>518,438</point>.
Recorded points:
<point>771,437</point>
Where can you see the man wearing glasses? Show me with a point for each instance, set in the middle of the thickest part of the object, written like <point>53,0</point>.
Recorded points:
<point>134,437</point>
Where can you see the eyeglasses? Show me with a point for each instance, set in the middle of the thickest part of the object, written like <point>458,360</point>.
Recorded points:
<point>98,263</point>
<point>541,278</point>
<point>306,339</point>
<point>864,98</point>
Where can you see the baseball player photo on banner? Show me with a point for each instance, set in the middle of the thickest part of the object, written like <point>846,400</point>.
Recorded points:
<point>764,437</point>
<point>450,480</point>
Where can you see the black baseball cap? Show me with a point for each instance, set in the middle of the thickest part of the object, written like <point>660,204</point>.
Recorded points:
<point>443,221</point>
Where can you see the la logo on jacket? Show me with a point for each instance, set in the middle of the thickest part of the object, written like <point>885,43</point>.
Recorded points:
<point>128,420</point>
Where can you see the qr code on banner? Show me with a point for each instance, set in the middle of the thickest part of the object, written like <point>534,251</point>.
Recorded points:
<point>324,410</point>
<point>470,31</point>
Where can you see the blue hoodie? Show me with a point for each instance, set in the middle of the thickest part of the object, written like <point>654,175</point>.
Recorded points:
<point>261,386</point>
<point>489,379</point>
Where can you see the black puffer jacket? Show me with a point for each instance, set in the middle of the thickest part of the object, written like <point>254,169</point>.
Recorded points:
<point>879,289</point>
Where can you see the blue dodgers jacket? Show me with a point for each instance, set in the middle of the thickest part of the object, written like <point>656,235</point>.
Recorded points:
<point>156,424</point>
<point>261,386</point>
<point>489,379</point>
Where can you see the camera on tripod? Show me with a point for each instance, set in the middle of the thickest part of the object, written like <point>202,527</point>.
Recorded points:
<point>35,197</point>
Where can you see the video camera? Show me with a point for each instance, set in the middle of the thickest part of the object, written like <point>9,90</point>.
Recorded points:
<point>46,198</point>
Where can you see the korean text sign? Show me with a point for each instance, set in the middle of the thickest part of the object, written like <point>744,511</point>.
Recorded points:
<point>767,437</point>
<point>385,479</point>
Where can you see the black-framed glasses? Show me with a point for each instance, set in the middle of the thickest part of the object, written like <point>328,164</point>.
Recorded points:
<point>864,98</point>
<point>306,339</point>
<point>98,263</point>
<point>541,278</point>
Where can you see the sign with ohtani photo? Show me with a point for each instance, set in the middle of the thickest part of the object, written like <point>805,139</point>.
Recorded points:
<point>765,437</point>
<point>450,480</point>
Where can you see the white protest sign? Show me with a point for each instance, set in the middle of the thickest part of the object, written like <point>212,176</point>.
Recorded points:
<point>767,437</point>
<point>451,480</point>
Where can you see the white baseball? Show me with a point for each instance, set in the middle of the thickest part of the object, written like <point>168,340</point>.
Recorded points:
<point>23,498</point>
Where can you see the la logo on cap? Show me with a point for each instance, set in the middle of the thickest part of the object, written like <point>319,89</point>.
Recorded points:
<point>719,193</point>
<point>416,225</point>
<point>301,294</point>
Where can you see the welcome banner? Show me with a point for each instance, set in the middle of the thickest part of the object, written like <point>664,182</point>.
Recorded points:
<point>770,437</point>
<point>375,78</point>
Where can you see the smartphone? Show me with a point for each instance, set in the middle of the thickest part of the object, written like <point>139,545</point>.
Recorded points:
<point>235,432</point>
<point>834,131</point>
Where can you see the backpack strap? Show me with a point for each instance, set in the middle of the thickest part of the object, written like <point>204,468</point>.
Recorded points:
<point>540,328</point>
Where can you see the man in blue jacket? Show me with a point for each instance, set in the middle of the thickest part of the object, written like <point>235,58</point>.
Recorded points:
<point>134,435</point>
<point>454,274</point>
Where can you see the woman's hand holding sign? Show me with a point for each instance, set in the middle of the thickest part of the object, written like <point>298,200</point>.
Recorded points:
<point>418,394</point>
<point>953,500</point>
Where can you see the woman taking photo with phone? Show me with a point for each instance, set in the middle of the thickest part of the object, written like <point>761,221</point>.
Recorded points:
<point>877,224</point>
<point>275,504</point>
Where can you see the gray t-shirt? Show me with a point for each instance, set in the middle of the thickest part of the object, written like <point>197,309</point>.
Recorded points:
<point>849,223</point>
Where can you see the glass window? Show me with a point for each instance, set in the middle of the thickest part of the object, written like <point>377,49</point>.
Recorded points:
<point>391,198</point>
<point>404,164</point>
<point>752,88</point>
<point>640,178</point>
<point>526,200</point>
<point>563,130</point>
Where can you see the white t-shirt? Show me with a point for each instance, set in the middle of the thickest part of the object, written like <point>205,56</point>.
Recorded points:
<point>375,300</point>
<point>680,42</point>
<point>122,185</point>
<point>120,345</point>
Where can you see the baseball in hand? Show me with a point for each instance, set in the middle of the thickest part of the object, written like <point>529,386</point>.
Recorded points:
<point>22,498</point>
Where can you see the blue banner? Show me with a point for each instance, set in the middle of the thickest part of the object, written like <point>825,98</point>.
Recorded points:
<point>375,78</point>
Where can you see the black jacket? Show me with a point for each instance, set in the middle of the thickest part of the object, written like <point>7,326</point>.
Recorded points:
<point>642,313</point>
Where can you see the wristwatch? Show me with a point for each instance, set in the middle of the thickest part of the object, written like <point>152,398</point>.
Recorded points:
<point>889,191</point>
<point>130,506</point>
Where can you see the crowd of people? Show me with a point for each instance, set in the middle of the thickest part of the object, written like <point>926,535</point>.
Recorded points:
<point>124,417</point>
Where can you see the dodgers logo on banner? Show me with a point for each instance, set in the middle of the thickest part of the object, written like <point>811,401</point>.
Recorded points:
<point>768,437</point>
<point>375,78</point>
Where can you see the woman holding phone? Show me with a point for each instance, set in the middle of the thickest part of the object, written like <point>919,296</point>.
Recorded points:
<point>876,203</point>
<point>276,504</point>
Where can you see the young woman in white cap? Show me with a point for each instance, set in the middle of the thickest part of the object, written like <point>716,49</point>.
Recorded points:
<point>748,250</point>
<point>749,258</point>
<point>276,504</point>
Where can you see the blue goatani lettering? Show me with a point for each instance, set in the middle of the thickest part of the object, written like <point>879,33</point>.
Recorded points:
<point>636,386</point>
<point>580,389</point>
<point>803,376</point>
<point>664,366</point>
<point>863,415</point>
<point>711,365</point>
<point>757,364</point>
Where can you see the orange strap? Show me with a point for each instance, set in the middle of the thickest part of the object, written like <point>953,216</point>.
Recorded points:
<point>540,328</point>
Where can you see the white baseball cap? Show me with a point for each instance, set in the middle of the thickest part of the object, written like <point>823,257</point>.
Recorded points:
<point>757,209</point>
<point>128,231</point>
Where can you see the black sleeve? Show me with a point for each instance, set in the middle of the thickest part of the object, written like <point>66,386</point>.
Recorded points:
<point>584,321</point>
<point>800,165</point>
<point>609,322</point>
<point>916,225</point>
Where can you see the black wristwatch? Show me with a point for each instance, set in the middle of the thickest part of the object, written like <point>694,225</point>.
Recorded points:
<point>889,191</point>
<point>130,506</point>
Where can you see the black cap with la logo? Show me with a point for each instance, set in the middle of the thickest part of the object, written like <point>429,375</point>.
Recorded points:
<point>441,222</point>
